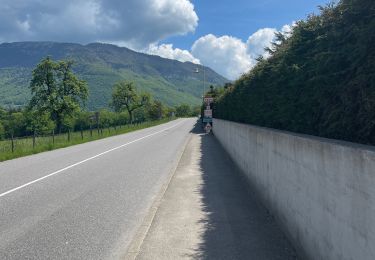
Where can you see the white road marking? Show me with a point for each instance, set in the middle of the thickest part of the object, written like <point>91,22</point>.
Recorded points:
<point>83,161</point>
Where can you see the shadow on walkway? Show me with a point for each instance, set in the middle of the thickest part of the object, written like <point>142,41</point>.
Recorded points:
<point>236,226</point>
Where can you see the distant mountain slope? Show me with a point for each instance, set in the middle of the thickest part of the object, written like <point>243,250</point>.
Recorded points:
<point>101,65</point>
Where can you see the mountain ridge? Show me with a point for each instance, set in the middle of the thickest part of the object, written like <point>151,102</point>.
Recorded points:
<point>101,65</point>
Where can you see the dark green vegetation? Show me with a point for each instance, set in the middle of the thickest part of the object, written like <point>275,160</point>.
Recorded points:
<point>23,123</point>
<point>125,97</point>
<point>56,105</point>
<point>29,145</point>
<point>318,81</point>
<point>102,65</point>
<point>57,93</point>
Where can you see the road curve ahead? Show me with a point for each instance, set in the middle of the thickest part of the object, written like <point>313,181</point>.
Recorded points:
<point>86,201</point>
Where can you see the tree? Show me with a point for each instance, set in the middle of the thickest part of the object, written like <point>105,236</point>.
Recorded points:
<point>68,122</point>
<point>140,114</point>
<point>196,111</point>
<point>37,122</point>
<point>317,80</point>
<point>121,118</point>
<point>106,118</point>
<point>183,110</point>
<point>82,120</point>
<point>125,97</point>
<point>56,90</point>
<point>15,124</point>
<point>3,113</point>
<point>2,123</point>
<point>170,111</point>
<point>2,131</point>
<point>157,110</point>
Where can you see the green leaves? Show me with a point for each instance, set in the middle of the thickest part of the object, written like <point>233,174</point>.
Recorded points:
<point>56,91</point>
<point>125,97</point>
<point>2,131</point>
<point>156,110</point>
<point>38,122</point>
<point>183,110</point>
<point>319,81</point>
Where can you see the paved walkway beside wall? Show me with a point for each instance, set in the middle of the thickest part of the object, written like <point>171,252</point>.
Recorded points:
<point>208,213</point>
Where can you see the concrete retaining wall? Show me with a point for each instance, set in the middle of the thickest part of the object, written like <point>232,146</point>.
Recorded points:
<point>321,191</point>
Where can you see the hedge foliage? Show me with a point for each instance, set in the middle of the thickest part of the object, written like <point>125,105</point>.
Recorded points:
<point>320,80</point>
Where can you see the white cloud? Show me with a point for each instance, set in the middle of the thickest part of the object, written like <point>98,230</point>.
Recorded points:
<point>260,40</point>
<point>286,29</point>
<point>167,51</point>
<point>227,55</point>
<point>134,22</point>
<point>231,56</point>
<point>138,24</point>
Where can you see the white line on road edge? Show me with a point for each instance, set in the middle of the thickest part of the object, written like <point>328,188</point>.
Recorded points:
<point>88,159</point>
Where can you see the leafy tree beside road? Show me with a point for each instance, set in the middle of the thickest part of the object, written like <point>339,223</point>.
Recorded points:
<point>125,97</point>
<point>56,90</point>
<point>156,110</point>
<point>58,95</point>
<point>183,110</point>
<point>14,123</point>
<point>2,131</point>
<point>37,122</point>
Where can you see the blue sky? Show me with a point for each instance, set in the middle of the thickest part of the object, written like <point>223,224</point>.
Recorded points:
<point>240,18</point>
<point>226,35</point>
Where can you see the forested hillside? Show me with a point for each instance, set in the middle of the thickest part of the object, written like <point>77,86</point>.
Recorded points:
<point>101,65</point>
<point>320,80</point>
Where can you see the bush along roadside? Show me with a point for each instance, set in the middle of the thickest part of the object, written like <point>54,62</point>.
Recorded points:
<point>22,146</point>
<point>317,80</point>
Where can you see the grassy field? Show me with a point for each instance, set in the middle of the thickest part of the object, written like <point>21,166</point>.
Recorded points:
<point>24,146</point>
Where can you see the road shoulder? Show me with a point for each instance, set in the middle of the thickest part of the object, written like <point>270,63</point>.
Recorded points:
<point>207,213</point>
<point>136,243</point>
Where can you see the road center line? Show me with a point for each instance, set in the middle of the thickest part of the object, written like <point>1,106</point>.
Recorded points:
<point>86,160</point>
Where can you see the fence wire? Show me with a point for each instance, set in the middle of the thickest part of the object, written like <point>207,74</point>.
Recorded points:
<point>51,140</point>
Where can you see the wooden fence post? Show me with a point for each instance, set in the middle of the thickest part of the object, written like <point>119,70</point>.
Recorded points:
<point>34,134</point>
<point>53,136</point>
<point>12,144</point>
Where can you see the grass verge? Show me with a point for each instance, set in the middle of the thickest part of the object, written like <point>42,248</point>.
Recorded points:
<point>24,146</point>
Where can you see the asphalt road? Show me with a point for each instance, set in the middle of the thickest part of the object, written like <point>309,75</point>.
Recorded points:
<point>85,201</point>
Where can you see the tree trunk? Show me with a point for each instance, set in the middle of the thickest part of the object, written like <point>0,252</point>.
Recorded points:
<point>130,116</point>
<point>58,121</point>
